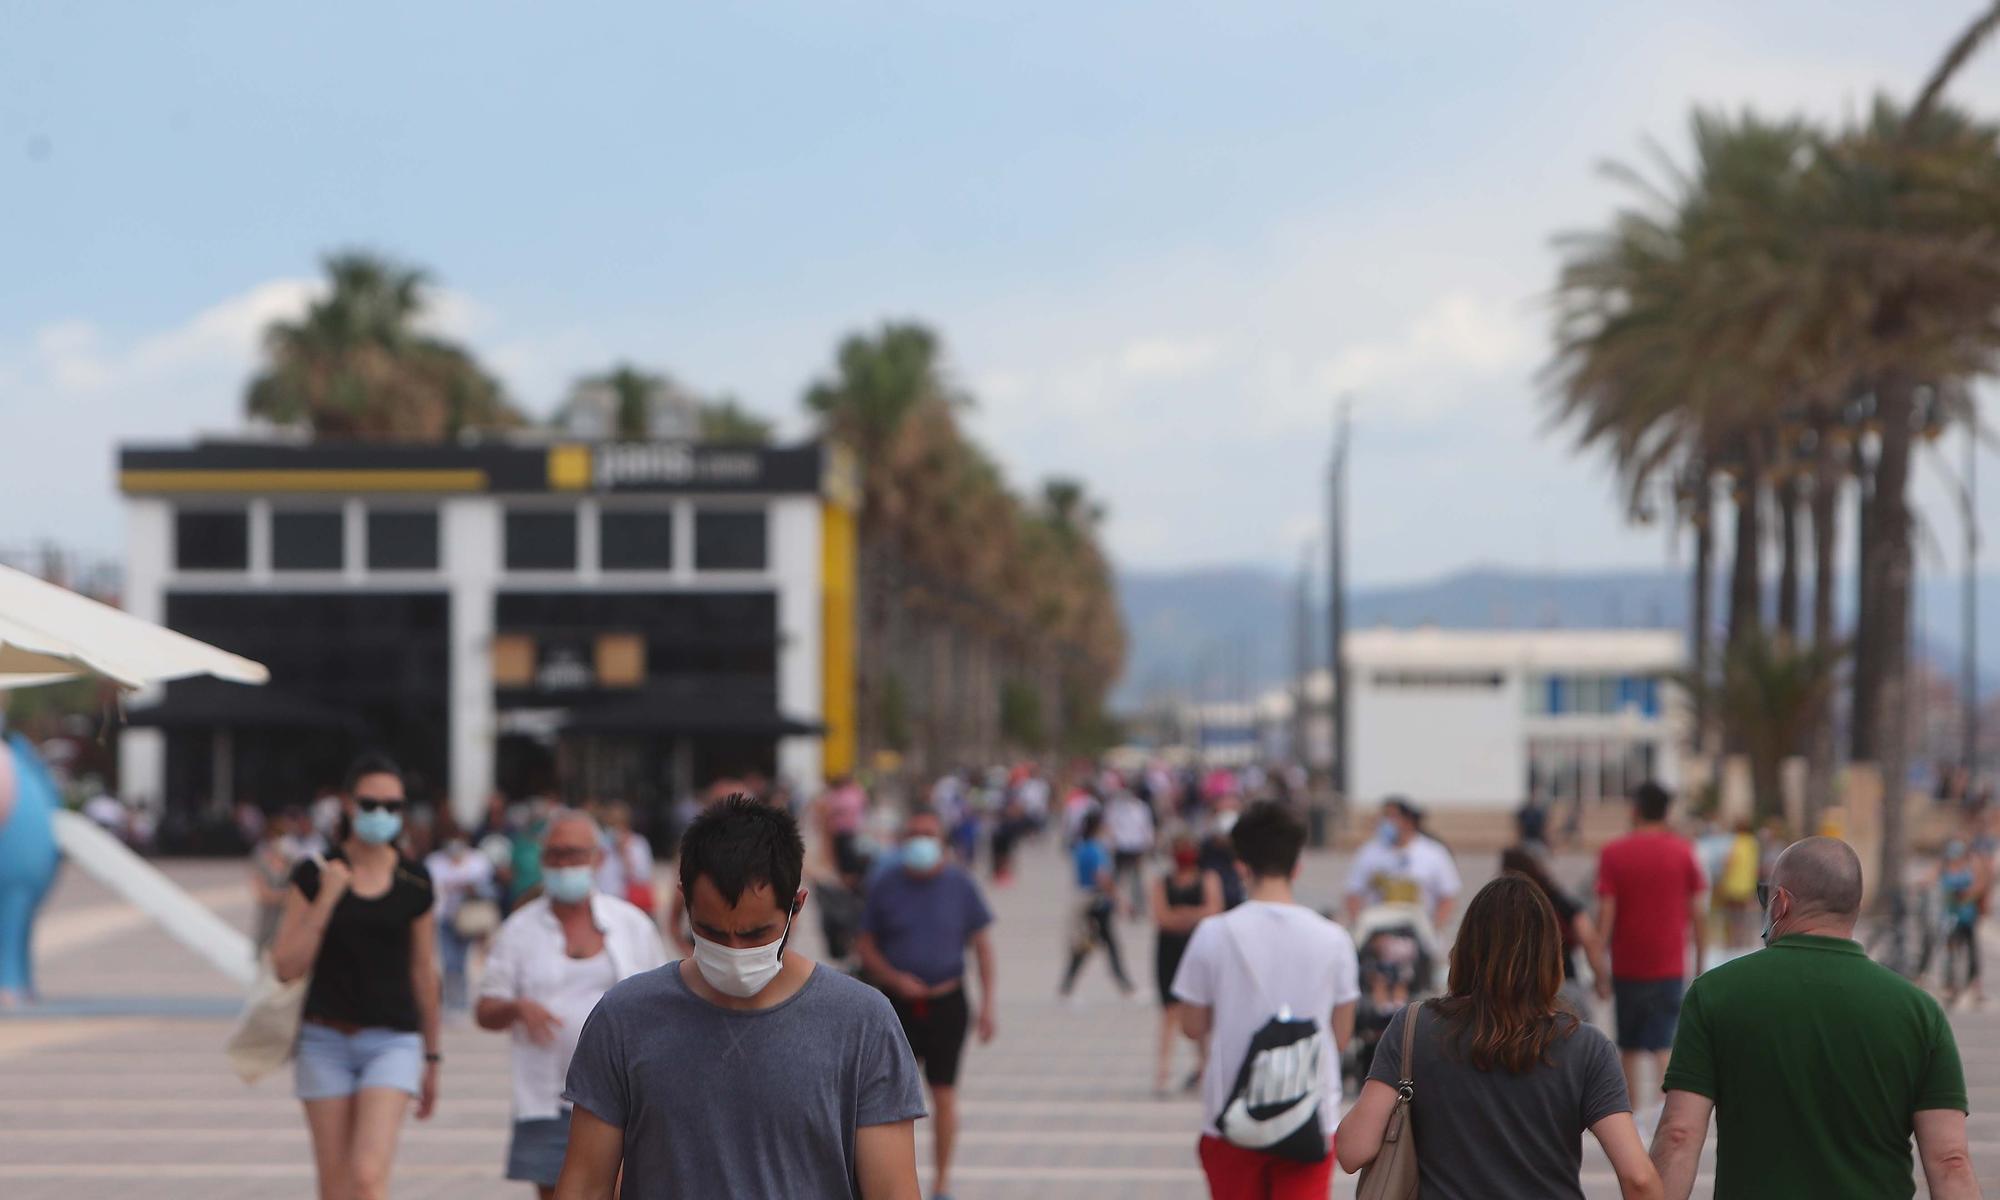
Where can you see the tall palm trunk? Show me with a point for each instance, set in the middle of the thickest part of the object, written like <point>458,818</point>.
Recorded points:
<point>1865,711</point>
<point>1825,544</point>
<point>1786,494</point>
<point>1886,573</point>
<point>1699,644</point>
<point>1746,586</point>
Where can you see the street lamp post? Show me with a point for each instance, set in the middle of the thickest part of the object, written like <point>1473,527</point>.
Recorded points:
<point>1336,649</point>
<point>1970,664</point>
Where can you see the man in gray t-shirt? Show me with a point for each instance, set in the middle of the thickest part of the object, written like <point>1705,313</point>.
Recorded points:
<point>744,1070</point>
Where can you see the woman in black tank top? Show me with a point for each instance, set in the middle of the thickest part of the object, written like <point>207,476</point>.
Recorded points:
<point>1181,899</point>
<point>359,921</point>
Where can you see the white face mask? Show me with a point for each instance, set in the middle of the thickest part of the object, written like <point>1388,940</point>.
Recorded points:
<point>742,973</point>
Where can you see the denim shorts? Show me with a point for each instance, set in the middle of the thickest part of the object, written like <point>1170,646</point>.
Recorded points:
<point>332,1064</point>
<point>1648,1011</point>
<point>535,1152</point>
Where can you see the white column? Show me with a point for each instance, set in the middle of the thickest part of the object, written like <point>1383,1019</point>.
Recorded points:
<point>260,542</point>
<point>795,573</point>
<point>354,541</point>
<point>149,549</point>
<point>469,532</point>
<point>589,555</point>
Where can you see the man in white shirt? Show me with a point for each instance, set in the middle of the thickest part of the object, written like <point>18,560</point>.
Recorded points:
<point>1130,823</point>
<point>1258,973</point>
<point>549,965</point>
<point>1402,866</point>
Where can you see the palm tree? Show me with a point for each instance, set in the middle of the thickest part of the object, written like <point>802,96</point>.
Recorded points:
<point>1771,691</point>
<point>966,592</point>
<point>725,420</point>
<point>1911,285</point>
<point>358,364</point>
<point>1803,303</point>
<point>1653,364</point>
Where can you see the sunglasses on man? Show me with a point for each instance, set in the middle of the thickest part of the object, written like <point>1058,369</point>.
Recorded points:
<point>1764,893</point>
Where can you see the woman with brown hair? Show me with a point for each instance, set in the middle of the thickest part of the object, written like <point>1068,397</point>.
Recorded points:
<point>1503,1079</point>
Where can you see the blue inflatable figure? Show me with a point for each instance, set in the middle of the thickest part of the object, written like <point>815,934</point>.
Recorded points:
<point>27,861</point>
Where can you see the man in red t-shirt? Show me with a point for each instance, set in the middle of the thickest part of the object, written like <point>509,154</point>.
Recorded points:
<point>1649,888</point>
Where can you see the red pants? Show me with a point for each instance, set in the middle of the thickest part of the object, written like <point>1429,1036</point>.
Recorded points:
<point>1238,1174</point>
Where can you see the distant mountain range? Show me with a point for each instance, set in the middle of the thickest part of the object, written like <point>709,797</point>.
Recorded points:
<point>1226,632</point>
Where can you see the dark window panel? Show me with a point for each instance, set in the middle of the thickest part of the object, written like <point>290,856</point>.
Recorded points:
<point>635,540</point>
<point>307,541</point>
<point>729,539</point>
<point>405,540</point>
<point>541,540</point>
<point>212,540</point>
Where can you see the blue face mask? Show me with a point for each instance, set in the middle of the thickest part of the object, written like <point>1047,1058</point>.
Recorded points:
<point>922,854</point>
<point>568,885</point>
<point>1385,832</point>
<point>379,827</point>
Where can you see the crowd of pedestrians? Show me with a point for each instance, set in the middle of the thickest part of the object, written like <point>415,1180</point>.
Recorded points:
<point>746,1068</point>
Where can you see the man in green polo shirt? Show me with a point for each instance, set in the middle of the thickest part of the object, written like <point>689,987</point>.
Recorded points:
<point>1817,1063</point>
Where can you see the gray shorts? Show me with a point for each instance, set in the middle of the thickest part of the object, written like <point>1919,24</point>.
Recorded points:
<point>535,1152</point>
<point>332,1064</point>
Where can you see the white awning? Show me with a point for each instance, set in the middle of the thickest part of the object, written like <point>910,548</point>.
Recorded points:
<point>49,633</point>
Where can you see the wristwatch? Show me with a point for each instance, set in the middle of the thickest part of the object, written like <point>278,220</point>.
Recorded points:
<point>433,1058</point>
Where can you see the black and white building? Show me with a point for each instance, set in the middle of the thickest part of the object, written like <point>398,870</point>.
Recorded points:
<point>624,620</point>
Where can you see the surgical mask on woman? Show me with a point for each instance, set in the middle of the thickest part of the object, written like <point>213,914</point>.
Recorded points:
<point>378,826</point>
<point>922,854</point>
<point>741,973</point>
<point>567,885</point>
<point>1185,857</point>
<point>1385,832</point>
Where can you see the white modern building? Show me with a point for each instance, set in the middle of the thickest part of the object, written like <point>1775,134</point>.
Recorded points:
<point>1491,718</point>
<point>1471,719</point>
<point>627,620</point>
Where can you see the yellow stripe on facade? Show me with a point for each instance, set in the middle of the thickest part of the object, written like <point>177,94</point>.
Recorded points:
<point>837,554</point>
<point>376,480</point>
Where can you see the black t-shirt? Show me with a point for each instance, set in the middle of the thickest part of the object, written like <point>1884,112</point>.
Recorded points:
<point>362,974</point>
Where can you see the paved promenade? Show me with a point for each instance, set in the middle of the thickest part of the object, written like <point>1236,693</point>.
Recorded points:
<point>137,1100</point>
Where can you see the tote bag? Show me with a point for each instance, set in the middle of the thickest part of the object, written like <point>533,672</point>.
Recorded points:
<point>267,1030</point>
<point>1393,1174</point>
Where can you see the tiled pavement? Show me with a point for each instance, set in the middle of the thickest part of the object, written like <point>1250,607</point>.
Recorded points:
<point>1058,1106</point>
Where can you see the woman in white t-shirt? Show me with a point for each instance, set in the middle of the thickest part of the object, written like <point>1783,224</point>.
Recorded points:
<point>1403,866</point>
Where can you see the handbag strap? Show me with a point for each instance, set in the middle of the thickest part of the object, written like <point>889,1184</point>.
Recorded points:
<point>1406,1087</point>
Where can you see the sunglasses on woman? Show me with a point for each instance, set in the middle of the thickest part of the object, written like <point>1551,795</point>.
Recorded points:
<point>378,804</point>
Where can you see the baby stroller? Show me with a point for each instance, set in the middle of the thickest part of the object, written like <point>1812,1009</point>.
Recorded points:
<point>1398,955</point>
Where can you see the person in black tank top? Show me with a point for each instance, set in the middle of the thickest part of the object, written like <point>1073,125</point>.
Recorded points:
<point>1181,899</point>
<point>359,922</point>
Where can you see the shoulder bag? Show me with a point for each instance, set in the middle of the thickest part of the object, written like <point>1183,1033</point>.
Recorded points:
<point>1393,1174</point>
<point>267,1031</point>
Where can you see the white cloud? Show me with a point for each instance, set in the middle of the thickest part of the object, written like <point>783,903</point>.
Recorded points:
<point>1167,358</point>
<point>1457,336</point>
<point>76,392</point>
<point>76,358</point>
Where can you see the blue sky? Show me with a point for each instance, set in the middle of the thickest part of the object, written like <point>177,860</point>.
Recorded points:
<point>1158,237</point>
